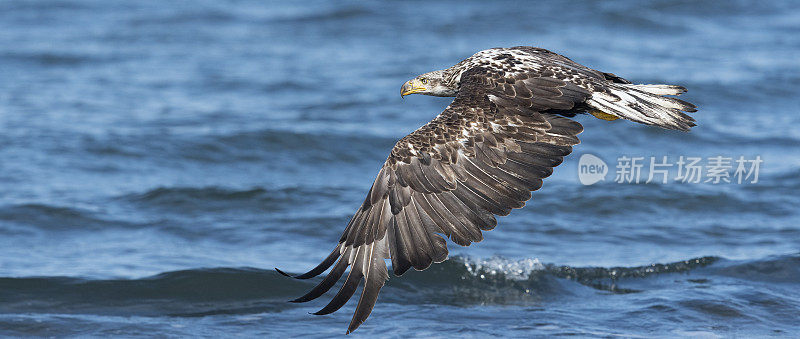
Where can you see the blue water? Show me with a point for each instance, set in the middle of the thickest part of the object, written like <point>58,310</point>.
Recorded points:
<point>157,159</point>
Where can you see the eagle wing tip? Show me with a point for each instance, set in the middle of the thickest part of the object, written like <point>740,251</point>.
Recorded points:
<point>283,273</point>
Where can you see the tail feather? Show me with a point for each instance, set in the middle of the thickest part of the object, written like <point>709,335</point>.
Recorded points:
<point>662,89</point>
<point>646,104</point>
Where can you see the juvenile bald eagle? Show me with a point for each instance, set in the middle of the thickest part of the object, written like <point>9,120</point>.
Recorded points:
<point>503,133</point>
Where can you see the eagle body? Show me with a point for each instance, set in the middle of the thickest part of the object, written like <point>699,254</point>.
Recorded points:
<point>583,90</point>
<point>505,131</point>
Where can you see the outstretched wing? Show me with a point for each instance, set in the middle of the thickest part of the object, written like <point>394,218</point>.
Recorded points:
<point>477,159</point>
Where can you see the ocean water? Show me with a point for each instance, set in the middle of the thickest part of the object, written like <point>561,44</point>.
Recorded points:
<point>158,159</point>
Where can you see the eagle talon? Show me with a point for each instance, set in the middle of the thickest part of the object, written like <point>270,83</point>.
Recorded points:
<point>603,115</point>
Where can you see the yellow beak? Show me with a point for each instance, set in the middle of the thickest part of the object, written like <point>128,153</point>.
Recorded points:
<point>411,87</point>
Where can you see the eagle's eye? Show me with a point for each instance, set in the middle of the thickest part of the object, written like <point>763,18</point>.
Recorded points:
<point>424,81</point>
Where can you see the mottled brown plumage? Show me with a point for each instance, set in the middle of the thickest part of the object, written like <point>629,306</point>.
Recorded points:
<point>482,156</point>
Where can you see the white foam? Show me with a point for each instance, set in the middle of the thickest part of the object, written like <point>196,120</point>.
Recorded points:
<point>513,270</point>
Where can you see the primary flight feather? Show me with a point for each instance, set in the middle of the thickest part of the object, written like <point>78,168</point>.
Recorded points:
<point>482,156</point>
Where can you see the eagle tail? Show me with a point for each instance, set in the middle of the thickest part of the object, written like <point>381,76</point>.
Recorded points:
<point>646,104</point>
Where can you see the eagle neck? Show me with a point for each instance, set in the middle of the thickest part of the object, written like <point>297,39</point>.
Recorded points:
<point>452,75</point>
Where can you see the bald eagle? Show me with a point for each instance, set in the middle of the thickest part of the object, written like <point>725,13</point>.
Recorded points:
<point>504,132</point>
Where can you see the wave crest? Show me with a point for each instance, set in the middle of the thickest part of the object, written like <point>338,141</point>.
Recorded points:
<point>459,281</point>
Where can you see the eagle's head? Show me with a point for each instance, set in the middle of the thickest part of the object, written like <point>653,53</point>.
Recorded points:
<point>432,83</point>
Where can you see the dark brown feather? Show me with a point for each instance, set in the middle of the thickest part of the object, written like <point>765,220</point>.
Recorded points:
<point>326,283</point>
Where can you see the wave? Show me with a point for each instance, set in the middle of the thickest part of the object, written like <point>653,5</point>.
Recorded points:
<point>255,145</point>
<point>459,281</point>
<point>196,143</point>
<point>464,281</point>
<point>238,15</point>
<point>177,195</point>
<point>258,199</point>
<point>68,59</point>
<point>667,200</point>
<point>332,14</point>
<point>26,218</point>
